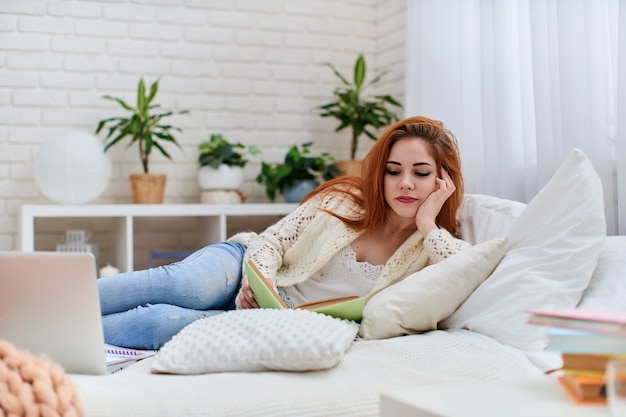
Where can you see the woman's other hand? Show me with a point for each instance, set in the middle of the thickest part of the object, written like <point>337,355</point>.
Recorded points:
<point>246,296</point>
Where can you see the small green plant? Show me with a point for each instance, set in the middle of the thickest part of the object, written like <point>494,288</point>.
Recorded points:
<point>298,165</point>
<point>217,151</point>
<point>357,111</point>
<point>144,128</point>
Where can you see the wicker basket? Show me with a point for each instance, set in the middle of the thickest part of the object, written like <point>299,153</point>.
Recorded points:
<point>148,188</point>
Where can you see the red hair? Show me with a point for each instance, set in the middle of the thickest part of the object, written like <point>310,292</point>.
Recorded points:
<point>369,194</point>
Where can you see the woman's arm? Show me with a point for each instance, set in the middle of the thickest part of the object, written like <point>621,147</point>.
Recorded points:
<point>266,251</point>
<point>440,244</point>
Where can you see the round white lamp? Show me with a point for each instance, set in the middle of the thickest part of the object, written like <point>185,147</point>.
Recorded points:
<point>72,168</point>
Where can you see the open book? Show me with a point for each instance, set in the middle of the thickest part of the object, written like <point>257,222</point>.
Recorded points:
<point>350,307</point>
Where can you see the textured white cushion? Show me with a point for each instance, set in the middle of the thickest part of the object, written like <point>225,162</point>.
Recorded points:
<point>553,248</point>
<point>420,301</point>
<point>257,340</point>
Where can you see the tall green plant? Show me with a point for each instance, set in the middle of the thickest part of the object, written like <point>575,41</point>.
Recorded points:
<point>356,110</point>
<point>143,128</point>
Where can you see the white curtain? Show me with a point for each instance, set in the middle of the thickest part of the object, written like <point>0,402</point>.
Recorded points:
<point>521,83</point>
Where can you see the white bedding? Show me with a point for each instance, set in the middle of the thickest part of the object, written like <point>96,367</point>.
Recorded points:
<point>352,388</point>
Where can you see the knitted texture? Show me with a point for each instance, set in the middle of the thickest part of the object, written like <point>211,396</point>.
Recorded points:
<point>440,245</point>
<point>283,251</point>
<point>32,386</point>
<point>301,243</point>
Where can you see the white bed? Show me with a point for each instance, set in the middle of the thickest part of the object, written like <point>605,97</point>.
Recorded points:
<point>349,389</point>
<point>557,255</point>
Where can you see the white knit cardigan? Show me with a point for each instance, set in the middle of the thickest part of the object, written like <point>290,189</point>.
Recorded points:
<point>298,245</point>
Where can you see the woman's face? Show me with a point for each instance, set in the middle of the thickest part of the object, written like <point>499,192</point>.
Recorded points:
<point>410,175</point>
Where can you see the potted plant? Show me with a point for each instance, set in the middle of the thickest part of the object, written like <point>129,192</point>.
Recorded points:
<point>354,109</point>
<point>221,163</point>
<point>145,129</point>
<point>298,174</point>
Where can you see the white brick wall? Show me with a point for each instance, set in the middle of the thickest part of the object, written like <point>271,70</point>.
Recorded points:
<point>251,70</point>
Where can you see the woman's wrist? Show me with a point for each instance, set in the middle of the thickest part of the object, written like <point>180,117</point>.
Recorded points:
<point>425,227</point>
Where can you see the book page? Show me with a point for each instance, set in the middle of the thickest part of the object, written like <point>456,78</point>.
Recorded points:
<point>310,305</point>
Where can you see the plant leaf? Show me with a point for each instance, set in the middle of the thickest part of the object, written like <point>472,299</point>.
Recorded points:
<point>359,71</point>
<point>338,74</point>
<point>141,97</point>
<point>153,90</point>
<point>120,102</point>
<point>163,151</point>
<point>387,98</point>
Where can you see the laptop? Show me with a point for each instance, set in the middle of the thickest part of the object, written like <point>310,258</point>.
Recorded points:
<point>49,306</point>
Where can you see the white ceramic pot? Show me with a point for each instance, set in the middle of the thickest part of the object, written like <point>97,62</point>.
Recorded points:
<point>224,178</point>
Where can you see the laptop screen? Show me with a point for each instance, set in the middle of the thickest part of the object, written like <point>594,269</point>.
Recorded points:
<point>49,306</point>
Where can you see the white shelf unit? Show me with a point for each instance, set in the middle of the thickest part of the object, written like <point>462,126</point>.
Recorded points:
<point>215,218</point>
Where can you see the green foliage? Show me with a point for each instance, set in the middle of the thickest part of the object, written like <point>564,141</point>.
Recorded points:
<point>355,110</point>
<point>143,128</point>
<point>217,151</point>
<point>298,165</point>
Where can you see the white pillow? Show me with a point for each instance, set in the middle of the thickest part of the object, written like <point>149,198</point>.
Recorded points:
<point>484,217</point>
<point>607,288</point>
<point>553,248</point>
<point>257,340</point>
<point>417,303</point>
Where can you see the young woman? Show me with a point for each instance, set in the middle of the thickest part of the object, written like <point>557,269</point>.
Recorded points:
<point>352,235</point>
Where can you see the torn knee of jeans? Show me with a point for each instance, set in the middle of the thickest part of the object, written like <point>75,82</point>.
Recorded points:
<point>173,317</point>
<point>229,279</point>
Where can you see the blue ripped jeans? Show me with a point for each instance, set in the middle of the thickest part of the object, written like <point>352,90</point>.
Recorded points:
<point>144,309</point>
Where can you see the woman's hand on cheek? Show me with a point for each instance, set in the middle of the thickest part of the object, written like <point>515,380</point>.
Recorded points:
<point>429,210</point>
<point>246,297</point>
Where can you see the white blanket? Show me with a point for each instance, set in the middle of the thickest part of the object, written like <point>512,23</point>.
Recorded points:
<point>352,388</point>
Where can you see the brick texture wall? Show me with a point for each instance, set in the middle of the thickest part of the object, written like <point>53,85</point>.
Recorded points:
<point>251,70</point>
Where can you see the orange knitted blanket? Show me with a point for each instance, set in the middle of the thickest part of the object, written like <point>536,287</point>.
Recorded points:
<point>33,386</point>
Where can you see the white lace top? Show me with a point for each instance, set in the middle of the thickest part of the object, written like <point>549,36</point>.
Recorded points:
<point>343,275</point>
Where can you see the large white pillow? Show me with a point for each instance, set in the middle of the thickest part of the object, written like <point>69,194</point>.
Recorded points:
<point>553,248</point>
<point>420,301</point>
<point>257,340</point>
<point>607,288</point>
<point>484,217</point>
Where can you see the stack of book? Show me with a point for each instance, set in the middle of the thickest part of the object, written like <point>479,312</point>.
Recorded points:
<point>587,340</point>
<point>584,375</point>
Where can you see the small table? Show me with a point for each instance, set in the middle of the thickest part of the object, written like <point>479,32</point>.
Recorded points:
<point>540,396</point>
